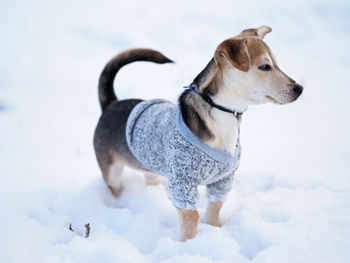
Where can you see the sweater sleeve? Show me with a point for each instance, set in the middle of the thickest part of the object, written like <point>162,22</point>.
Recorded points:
<point>218,191</point>
<point>183,191</point>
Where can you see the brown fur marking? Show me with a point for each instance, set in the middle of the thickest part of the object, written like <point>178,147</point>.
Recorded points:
<point>213,211</point>
<point>235,51</point>
<point>189,223</point>
<point>250,32</point>
<point>256,48</point>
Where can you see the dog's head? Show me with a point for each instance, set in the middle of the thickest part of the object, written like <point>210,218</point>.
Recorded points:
<point>248,65</point>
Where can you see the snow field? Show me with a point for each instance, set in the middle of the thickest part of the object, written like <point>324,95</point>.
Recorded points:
<point>290,200</point>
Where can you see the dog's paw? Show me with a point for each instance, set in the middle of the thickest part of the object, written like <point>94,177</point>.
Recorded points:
<point>213,222</point>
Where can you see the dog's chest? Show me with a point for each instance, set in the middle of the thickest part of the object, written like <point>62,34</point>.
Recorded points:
<point>226,131</point>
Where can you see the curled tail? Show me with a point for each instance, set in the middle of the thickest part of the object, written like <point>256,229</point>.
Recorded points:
<point>105,86</point>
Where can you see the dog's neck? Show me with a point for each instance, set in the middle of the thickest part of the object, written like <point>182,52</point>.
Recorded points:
<point>215,127</point>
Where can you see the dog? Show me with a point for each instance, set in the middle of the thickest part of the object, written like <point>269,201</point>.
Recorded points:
<point>197,141</point>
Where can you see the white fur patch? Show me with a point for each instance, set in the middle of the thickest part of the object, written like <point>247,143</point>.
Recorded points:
<point>115,174</point>
<point>225,127</point>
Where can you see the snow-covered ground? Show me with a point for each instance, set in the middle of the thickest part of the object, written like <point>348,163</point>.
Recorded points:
<point>291,196</point>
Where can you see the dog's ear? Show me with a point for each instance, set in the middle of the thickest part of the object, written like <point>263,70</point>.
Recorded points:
<point>235,51</point>
<point>259,32</point>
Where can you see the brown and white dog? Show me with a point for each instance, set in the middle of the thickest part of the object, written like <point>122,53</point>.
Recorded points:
<point>242,72</point>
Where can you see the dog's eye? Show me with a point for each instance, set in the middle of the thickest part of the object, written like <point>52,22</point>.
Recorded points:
<point>265,67</point>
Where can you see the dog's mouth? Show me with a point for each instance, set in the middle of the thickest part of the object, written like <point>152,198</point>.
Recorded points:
<point>271,99</point>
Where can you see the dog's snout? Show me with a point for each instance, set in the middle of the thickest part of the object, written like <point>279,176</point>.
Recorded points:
<point>298,89</point>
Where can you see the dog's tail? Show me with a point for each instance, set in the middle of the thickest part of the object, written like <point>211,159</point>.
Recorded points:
<point>105,86</point>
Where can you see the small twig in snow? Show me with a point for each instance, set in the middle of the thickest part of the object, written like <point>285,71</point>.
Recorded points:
<point>87,227</point>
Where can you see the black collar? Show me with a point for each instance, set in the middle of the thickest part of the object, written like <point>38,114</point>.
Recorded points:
<point>206,97</point>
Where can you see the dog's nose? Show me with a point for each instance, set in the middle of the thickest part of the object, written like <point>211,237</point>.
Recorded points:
<point>298,89</point>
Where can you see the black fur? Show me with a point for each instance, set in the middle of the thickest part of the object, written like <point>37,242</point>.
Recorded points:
<point>192,117</point>
<point>204,74</point>
<point>110,133</point>
<point>109,138</point>
<point>105,87</point>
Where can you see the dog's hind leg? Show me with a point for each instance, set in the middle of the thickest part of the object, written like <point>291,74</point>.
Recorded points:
<point>114,177</point>
<point>112,169</point>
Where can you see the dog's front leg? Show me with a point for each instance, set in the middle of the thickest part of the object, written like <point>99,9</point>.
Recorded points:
<point>189,223</point>
<point>212,216</point>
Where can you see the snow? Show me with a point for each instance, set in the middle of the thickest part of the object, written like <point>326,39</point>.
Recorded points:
<point>290,199</point>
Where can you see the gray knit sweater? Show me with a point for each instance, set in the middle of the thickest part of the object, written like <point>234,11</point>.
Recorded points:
<point>162,142</point>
